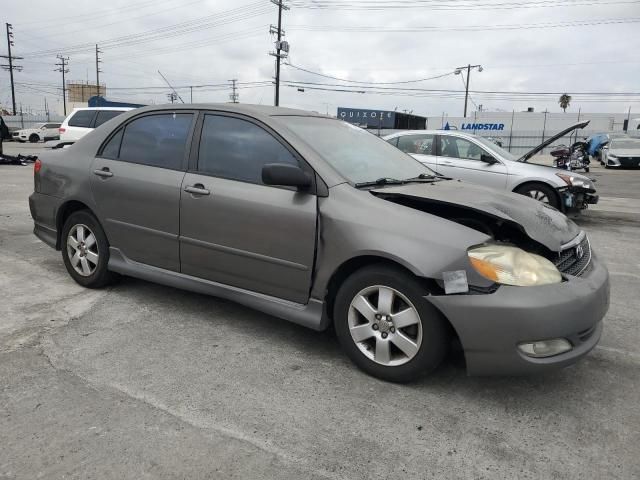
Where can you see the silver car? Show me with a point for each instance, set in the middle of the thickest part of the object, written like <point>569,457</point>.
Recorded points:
<point>312,220</point>
<point>477,160</point>
<point>622,152</point>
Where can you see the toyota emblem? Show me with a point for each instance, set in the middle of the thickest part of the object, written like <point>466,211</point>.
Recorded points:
<point>579,252</point>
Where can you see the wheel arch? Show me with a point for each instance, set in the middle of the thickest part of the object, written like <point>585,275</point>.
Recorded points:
<point>356,263</point>
<point>529,183</point>
<point>64,211</point>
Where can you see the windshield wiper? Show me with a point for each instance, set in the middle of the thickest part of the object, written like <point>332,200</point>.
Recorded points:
<point>381,181</point>
<point>423,177</point>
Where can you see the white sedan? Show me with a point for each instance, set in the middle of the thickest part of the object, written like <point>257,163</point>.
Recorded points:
<point>477,160</point>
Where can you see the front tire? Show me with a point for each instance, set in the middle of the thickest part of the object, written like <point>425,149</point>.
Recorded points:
<point>85,250</point>
<point>386,327</point>
<point>541,192</point>
<point>33,138</point>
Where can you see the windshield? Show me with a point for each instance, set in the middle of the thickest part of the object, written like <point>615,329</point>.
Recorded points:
<point>356,154</point>
<point>497,149</point>
<point>625,143</point>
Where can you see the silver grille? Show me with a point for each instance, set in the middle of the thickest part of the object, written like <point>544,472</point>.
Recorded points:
<point>575,256</point>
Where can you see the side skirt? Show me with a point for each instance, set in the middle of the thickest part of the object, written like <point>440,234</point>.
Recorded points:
<point>310,315</point>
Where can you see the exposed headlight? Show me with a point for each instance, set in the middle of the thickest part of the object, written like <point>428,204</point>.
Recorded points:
<point>575,181</point>
<point>513,266</point>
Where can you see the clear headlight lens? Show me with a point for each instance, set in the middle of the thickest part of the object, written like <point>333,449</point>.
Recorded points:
<point>575,181</point>
<point>513,266</point>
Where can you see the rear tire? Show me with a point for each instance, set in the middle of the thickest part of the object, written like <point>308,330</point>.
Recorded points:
<point>33,138</point>
<point>402,337</point>
<point>541,192</point>
<point>85,250</point>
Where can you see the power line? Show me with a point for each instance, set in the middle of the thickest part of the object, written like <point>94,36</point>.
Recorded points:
<point>462,28</point>
<point>215,20</point>
<point>452,5</point>
<point>289,64</point>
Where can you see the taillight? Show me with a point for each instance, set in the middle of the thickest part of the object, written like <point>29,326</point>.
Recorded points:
<point>62,130</point>
<point>37,166</point>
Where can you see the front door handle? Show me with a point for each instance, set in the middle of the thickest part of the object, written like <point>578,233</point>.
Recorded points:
<point>105,173</point>
<point>446,162</point>
<point>197,189</point>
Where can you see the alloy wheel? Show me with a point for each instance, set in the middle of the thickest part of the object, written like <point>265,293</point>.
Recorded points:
<point>82,250</point>
<point>538,195</point>
<point>385,325</point>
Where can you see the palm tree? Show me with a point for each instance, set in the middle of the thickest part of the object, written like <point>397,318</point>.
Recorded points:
<point>564,101</point>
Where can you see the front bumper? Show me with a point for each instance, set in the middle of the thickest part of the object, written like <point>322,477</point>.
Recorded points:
<point>623,162</point>
<point>490,326</point>
<point>577,198</point>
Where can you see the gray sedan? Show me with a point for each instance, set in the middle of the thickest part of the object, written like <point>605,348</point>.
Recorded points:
<point>310,219</point>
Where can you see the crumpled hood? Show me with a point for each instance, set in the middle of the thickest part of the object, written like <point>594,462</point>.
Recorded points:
<point>542,223</point>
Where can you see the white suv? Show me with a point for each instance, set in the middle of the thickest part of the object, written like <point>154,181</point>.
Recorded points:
<point>83,120</point>
<point>40,132</point>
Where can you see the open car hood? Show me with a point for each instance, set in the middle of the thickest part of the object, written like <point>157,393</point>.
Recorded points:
<point>540,222</point>
<point>550,140</point>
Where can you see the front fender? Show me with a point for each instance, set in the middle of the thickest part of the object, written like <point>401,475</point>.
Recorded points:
<point>355,223</point>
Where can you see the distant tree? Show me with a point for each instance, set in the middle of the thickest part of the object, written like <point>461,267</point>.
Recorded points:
<point>565,101</point>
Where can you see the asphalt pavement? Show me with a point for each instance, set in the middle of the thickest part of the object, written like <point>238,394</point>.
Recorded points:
<point>144,381</point>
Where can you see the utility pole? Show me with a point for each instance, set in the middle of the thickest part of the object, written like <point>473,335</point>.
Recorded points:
<point>458,71</point>
<point>191,94</point>
<point>11,67</point>
<point>63,68</point>
<point>281,46</point>
<point>233,96</point>
<point>98,62</point>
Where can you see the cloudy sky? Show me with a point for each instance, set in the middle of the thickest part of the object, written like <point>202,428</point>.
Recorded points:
<point>527,48</point>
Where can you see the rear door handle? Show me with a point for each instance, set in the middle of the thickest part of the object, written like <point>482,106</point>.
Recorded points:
<point>197,189</point>
<point>105,173</point>
<point>446,162</point>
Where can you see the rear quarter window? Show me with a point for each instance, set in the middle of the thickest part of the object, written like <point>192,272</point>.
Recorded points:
<point>106,115</point>
<point>82,118</point>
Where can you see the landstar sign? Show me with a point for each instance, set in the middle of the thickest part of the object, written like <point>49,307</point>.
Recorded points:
<point>478,126</point>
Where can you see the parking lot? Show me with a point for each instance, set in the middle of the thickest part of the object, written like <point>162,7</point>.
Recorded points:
<point>144,381</point>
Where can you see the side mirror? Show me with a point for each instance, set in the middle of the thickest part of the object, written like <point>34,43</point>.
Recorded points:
<point>285,175</point>
<point>488,159</point>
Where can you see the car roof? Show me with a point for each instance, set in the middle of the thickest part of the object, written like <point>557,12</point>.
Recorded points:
<point>249,109</point>
<point>123,109</point>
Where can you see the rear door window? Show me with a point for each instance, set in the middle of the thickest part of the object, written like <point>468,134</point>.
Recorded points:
<point>106,115</point>
<point>417,144</point>
<point>82,118</point>
<point>156,140</point>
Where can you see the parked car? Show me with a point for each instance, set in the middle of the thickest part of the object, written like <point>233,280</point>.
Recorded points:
<point>477,160</point>
<point>83,120</point>
<point>622,152</point>
<point>39,133</point>
<point>313,220</point>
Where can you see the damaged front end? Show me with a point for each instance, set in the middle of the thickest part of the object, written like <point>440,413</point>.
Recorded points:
<point>512,221</point>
